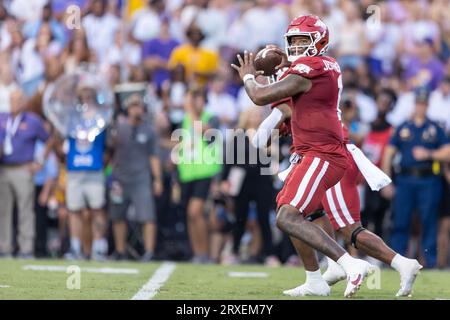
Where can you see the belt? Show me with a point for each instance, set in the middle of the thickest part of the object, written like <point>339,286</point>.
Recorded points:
<point>417,172</point>
<point>295,158</point>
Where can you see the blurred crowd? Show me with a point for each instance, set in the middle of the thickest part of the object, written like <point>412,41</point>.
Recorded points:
<point>121,196</point>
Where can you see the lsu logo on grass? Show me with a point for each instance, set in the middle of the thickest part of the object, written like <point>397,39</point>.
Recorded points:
<point>73,282</point>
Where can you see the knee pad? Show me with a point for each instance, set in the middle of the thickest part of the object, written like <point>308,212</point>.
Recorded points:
<point>315,215</point>
<point>355,234</point>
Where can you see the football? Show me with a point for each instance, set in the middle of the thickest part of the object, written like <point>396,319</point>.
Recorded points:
<point>266,60</point>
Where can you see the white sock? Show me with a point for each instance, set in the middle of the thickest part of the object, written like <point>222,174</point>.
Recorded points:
<point>100,246</point>
<point>332,264</point>
<point>346,261</point>
<point>313,276</point>
<point>398,261</point>
<point>75,245</point>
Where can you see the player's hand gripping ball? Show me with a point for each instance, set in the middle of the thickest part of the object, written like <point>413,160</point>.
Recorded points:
<point>267,60</point>
<point>246,65</point>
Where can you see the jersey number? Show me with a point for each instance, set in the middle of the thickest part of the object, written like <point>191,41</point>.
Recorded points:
<point>340,87</point>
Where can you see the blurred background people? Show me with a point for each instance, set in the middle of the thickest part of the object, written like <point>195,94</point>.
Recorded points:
<point>199,64</point>
<point>422,144</point>
<point>134,182</point>
<point>199,161</point>
<point>374,145</point>
<point>44,181</point>
<point>85,188</point>
<point>244,179</point>
<point>19,132</point>
<point>156,53</point>
<point>7,86</point>
<point>100,27</point>
<point>170,46</point>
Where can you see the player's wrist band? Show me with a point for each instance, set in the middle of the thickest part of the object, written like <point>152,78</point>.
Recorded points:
<point>248,76</point>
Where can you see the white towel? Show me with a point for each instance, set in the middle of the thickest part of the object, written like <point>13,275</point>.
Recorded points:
<point>282,175</point>
<point>374,176</point>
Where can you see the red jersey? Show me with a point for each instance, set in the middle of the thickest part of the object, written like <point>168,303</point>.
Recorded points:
<point>315,123</point>
<point>352,176</point>
<point>375,143</point>
<point>345,134</point>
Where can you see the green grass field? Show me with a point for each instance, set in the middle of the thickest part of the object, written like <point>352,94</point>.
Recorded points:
<point>189,281</point>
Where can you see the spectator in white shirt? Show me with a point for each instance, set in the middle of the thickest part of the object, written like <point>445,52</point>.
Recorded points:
<point>27,10</point>
<point>7,86</point>
<point>13,52</point>
<point>124,52</point>
<point>352,38</point>
<point>100,27</point>
<point>214,23</point>
<point>77,52</point>
<point>403,109</point>
<point>418,27</point>
<point>384,40</point>
<point>243,100</point>
<point>146,21</point>
<point>32,56</point>
<point>5,26</point>
<point>264,24</point>
<point>221,104</point>
<point>235,37</point>
<point>439,107</point>
<point>367,108</point>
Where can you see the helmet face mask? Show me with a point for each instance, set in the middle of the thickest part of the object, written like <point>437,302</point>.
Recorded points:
<point>294,51</point>
<point>310,28</point>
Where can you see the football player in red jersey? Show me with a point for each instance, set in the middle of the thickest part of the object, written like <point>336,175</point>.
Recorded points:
<point>342,205</point>
<point>314,84</point>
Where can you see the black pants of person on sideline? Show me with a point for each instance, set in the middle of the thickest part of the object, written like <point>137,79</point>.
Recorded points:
<point>261,192</point>
<point>375,207</point>
<point>40,243</point>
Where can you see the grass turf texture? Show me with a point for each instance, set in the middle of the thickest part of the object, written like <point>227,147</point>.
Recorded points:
<point>192,282</point>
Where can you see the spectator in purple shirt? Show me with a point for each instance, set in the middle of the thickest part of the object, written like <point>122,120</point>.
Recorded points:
<point>156,54</point>
<point>19,132</point>
<point>424,69</point>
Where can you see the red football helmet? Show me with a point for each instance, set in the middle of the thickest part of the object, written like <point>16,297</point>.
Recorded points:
<point>311,26</point>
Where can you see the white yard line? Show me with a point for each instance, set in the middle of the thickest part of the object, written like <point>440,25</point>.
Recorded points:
<point>151,288</point>
<point>4,286</point>
<point>89,270</point>
<point>236,274</point>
